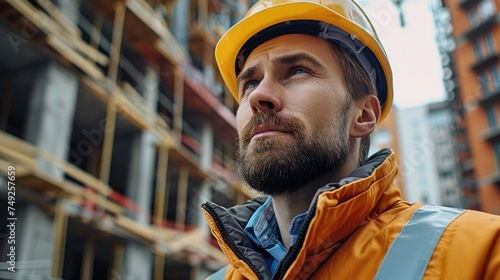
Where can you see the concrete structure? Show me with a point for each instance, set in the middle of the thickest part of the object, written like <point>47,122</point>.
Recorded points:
<point>427,145</point>
<point>118,127</point>
<point>446,46</point>
<point>417,149</point>
<point>473,82</point>
<point>440,117</point>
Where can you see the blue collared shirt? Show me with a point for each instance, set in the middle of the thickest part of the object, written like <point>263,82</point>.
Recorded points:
<point>263,230</point>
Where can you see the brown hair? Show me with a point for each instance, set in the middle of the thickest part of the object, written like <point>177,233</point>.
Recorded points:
<point>358,85</point>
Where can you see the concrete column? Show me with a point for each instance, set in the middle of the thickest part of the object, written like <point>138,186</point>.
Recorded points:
<point>50,114</point>
<point>208,69</point>
<point>137,262</point>
<point>180,25</point>
<point>34,242</point>
<point>204,194</point>
<point>70,9</point>
<point>141,173</point>
<point>150,86</point>
<point>207,146</point>
<point>143,150</point>
<point>48,127</point>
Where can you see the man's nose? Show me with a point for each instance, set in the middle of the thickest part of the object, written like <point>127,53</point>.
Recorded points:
<point>266,97</point>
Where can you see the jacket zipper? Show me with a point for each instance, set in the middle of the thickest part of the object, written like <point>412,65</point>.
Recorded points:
<point>292,254</point>
<point>227,239</point>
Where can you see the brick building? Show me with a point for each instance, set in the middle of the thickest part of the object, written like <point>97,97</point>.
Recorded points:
<point>472,77</point>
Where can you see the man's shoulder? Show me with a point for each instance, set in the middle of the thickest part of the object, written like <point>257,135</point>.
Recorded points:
<point>453,223</point>
<point>459,216</point>
<point>467,227</point>
<point>478,221</point>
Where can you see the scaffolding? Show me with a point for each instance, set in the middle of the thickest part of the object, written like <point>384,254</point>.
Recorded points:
<point>119,127</point>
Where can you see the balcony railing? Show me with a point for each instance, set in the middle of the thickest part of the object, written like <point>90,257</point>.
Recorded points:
<point>489,97</point>
<point>485,62</point>
<point>493,178</point>
<point>491,134</point>
<point>465,4</point>
<point>480,28</point>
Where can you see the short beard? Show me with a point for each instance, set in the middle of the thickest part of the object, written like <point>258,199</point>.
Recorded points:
<point>273,167</point>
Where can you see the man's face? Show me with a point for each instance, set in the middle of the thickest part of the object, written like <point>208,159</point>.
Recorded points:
<point>294,114</point>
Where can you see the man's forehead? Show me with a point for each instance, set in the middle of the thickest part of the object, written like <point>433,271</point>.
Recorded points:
<point>288,45</point>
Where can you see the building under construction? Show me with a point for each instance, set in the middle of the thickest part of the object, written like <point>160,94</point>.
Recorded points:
<point>468,37</point>
<point>114,127</point>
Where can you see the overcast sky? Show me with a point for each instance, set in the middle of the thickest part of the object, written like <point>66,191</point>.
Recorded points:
<point>411,49</point>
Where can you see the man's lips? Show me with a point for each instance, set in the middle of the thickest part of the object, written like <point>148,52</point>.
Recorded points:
<point>267,129</point>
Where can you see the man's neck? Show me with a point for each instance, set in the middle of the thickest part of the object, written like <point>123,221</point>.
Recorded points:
<point>287,206</point>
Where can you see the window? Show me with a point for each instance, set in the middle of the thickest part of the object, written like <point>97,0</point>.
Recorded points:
<point>477,50</point>
<point>483,79</point>
<point>492,118</point>
<point>486,9</point>
<point>473,21</point>
<point>490,80</point>
<point>497,152</point>
<point>484,47</point>
<point>483,11</point>
<point>496,77</point>
<point>490,45</point>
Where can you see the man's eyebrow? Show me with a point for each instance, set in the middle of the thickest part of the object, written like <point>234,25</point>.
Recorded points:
<point>296,57</point>
<point>245,74</point>
<point>284,59</point>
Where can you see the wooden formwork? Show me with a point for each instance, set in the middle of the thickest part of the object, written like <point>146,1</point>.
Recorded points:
<point>143,28</point>
<point>136,22</point>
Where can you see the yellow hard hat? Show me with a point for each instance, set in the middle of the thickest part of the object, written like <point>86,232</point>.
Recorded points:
<point>340,21</point>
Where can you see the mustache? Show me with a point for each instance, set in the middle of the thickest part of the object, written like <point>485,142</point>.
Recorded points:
<point>290,123</point>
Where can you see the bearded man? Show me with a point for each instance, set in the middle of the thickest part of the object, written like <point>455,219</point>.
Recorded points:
<point>313,81</point>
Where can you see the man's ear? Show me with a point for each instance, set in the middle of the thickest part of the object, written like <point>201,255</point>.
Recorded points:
<point>366,116</point>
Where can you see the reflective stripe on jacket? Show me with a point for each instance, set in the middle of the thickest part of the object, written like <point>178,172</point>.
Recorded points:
<point>360,228</point>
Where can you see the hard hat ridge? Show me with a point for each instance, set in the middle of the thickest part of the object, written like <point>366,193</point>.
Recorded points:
<point>360,52</point>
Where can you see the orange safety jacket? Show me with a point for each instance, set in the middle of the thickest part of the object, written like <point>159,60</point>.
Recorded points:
<point>360,228</point>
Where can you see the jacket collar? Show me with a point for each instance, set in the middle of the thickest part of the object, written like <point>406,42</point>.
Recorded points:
<point>337,210</point>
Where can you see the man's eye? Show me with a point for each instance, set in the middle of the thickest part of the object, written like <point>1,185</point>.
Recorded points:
<point>251,85</point>
<point>298,71</point>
